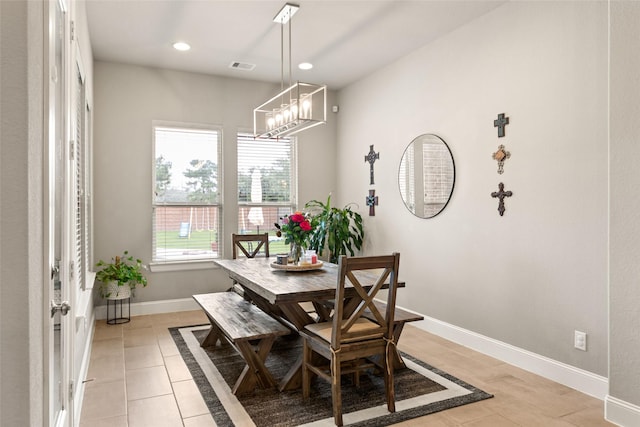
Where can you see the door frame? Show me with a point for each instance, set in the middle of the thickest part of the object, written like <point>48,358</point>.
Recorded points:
<point>56,156</point>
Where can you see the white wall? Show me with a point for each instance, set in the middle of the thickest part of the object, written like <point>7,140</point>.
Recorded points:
<point>624,380</point>
<point>127,100</point>
<point>534,276</point>
<point>21,214</point>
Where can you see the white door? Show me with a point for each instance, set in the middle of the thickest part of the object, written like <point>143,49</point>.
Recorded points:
<point>57,310</point>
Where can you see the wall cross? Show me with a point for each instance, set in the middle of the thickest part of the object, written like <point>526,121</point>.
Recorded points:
<point>501,155</point>
<point>371,157</point>
<point>501,194</point>
<point>372,202</point>
<point>500,123</point>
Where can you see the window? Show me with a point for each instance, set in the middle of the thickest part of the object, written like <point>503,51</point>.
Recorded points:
<point>187,200</point>
<point>83,216</point>
<point>266,185</point>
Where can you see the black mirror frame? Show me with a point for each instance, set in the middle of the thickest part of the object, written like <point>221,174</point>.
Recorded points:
<point>453,183</point>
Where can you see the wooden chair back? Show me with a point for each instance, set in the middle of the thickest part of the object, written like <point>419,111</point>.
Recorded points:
<point>349,321</point>
<point>261,240</point>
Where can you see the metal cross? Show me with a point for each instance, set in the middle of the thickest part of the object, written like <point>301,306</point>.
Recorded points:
<point>371,157</point>
<point>372,202</point>
<point>500,123</point>
<point>501,155</point>
<point>501,194</point>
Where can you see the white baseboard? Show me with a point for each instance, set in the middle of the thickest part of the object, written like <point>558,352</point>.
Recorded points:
<point>620,412</point>
<point>153,307</point>
<point>578,379</point>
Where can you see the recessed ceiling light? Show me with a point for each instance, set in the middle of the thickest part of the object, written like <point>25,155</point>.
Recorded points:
<point>305,66</point>
<point>181,46</point>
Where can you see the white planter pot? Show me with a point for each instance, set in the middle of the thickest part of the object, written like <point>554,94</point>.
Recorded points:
<point>116,292</point>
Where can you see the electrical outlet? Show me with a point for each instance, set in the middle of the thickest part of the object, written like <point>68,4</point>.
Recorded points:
<point>580,340</point>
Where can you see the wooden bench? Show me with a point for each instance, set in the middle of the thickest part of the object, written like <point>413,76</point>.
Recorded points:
<point>400,318</point>
<point>239,322</point>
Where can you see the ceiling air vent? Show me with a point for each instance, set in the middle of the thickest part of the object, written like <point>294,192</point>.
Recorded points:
<point>242,66</point>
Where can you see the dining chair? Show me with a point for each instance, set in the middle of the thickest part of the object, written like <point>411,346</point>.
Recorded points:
<point>245,242</point>
<point>348,339</point>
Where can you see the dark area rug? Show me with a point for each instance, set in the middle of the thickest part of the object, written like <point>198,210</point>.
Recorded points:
<point>420,390</point>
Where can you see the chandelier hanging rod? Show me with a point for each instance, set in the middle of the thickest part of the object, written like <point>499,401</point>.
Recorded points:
<point>300,106</point>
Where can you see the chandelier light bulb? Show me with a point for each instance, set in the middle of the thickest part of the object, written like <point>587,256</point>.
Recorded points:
<point>270,121</point>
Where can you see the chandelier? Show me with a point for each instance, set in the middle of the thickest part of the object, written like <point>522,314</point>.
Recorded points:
<point>300,106</point>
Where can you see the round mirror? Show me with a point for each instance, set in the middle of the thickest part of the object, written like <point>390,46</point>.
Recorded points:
<point>426,176</point>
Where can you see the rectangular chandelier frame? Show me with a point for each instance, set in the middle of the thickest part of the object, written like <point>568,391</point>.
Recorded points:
<point>301,106</point>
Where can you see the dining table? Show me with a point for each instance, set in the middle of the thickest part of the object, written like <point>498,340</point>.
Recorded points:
<point>283,293</point>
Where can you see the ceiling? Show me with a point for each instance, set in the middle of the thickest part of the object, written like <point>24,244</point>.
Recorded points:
<point>345,40</point>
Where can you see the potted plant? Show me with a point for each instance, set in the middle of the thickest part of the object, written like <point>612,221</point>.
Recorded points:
<point>121,275</point>
<point>337,230</point>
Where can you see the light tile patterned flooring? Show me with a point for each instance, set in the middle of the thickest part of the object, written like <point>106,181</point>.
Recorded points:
<point>137,378</point>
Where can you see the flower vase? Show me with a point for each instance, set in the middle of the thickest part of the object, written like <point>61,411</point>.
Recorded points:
<point>295,253</point>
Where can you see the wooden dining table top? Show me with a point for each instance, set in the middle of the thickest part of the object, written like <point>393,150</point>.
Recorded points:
<point>282,286</point>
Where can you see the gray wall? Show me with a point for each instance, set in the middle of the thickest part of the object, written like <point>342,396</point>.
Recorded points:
<point>534,276</point>
<point>127,100</point>
<point>624,353</point>
<point>21,214</point>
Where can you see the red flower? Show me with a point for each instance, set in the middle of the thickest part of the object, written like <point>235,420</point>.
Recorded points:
<point>305,225</point>
<point>297,217</point>
<point>296,227</point>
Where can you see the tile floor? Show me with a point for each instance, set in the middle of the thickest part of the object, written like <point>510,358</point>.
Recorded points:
<point>137,378</point>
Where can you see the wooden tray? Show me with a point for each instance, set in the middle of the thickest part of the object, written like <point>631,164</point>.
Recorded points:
<point>293,267</point>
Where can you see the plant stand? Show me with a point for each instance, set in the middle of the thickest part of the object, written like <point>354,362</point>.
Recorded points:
<point>118,318</point>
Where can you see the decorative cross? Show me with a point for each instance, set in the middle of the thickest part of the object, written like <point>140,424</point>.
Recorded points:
<point>371,158</point>
<point>501,194</point>
<point>501,155</point>
<point>372,202</point>
<point>500,123</point>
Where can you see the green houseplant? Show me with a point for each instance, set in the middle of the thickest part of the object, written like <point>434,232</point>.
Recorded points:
<point>338,230</point>
<point>121,275</point>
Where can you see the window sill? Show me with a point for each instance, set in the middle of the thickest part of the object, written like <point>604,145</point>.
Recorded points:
<point>204,264</point>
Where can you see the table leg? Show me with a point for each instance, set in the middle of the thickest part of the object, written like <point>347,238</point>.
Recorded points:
<point>296,315</point>
<point>324,312</point>
<point>262,303</point>
<point>293,379</point>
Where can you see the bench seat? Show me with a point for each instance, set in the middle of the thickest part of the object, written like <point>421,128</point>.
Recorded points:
<point>237,321</point>
<point>400,318</point>
<point>401,315</point>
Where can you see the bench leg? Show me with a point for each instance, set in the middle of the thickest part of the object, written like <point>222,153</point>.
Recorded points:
<point>395,358</point>
<point>255,371</point>
<point>212,338</point>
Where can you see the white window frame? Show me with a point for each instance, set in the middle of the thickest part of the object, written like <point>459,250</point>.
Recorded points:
<point>82,183</point>
<point>245,206</point>
<point>201,262</point>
